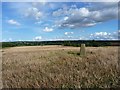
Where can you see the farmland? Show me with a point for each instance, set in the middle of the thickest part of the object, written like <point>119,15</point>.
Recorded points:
<point>56,66</point>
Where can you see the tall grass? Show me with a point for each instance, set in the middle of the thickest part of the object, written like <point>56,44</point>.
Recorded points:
<point>61,68</point>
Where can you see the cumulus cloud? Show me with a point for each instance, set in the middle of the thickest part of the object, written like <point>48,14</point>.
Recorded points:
<point>33,12</point>
<point>82,38</point>
<point>87,16</point>
<point>60,12</point>
<point>57,39</point>
<point>104,36</point>
<point>65,18</point>
<point>10,39</point>
<point>46,29</point>
<point>13,22</point>
<point>68,33</point>
<point>37,38</point>
<point>39,22</point>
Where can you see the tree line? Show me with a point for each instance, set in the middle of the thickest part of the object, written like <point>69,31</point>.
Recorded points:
<point>75,43</point>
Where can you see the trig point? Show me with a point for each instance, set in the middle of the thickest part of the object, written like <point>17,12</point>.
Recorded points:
<point>82,50</point>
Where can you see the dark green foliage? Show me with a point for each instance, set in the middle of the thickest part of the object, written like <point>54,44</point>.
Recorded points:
<point>75,43</point>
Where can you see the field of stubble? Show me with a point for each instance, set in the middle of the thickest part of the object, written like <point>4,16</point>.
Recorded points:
<point>59,67</point>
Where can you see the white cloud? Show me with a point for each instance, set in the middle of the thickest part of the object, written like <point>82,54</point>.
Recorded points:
<point>33,12</point>
<point>81,11</point>
<point>73,6</point>
<point>3,40</point>
<point>46,29</point>
<point>19,40</point>
<point>37,38</point>
<point>57,39</point>
<point>57,13</point>
<point>13,22</point>
<point>87,16</point>
<point>101,33</point>
<point>104,36</point>
<point>65,18</point>
<point>67,33</point>
<point>10,39</point>
<point>70,36</point>
<point>118,31</point>
<point>83,38</point>
<point>39,22</point>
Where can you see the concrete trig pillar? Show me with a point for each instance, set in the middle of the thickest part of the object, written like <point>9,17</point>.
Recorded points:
<point>82,50</point>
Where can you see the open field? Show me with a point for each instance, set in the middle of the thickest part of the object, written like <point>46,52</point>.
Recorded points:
<point>59,67</point>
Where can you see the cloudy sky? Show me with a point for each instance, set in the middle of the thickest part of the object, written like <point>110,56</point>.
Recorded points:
<point>45,21</point>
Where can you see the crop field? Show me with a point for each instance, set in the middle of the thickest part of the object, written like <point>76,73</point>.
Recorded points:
<point>58,66</point>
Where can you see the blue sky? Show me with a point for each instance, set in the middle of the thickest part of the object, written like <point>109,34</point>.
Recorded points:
<point>46,21</point>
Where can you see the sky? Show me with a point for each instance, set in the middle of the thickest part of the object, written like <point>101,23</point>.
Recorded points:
<point>50,21</point>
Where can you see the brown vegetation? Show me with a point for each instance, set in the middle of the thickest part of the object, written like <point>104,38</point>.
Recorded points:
<point>60,67</point>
